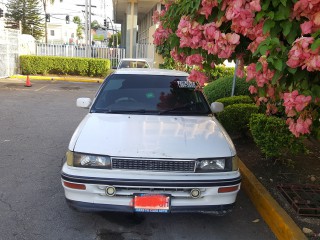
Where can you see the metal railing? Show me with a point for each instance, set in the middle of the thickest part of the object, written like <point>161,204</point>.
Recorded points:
<point>146,51</point>
<point>93,51</point>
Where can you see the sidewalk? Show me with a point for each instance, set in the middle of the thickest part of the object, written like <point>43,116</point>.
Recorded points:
<point>57,78</point>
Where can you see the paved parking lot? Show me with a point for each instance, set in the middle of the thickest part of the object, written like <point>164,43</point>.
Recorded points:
<point>36,126</point>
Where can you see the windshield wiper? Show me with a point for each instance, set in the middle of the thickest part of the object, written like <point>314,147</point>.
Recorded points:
<point>178,108</point>
<point>142,111</point>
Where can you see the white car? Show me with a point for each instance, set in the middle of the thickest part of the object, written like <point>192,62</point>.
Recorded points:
<point>133,63</point>
<point>150,143</point>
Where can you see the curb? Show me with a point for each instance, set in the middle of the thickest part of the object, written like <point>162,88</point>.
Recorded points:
<point>67,79</point>
<point>275,216</point>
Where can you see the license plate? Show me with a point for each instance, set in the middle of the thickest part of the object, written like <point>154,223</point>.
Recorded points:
<point>158,203</point>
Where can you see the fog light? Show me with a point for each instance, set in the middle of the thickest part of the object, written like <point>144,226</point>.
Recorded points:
<point>195,193</point>
<point>110,191</point>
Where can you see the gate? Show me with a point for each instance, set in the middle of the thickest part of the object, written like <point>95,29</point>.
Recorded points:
<point>9,52</point>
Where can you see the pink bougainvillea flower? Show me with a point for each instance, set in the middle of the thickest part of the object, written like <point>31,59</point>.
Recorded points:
<point>306,27</point>
<point>302,126</point>
<point>160,35</point>
<point>195,59</point>
<point>207,6</point>
<point>197,76</point>
<point>301,102</point>
<point>271,109</point>
<point>253,89</point>
<point>251,72</point>
<point>255,5</point>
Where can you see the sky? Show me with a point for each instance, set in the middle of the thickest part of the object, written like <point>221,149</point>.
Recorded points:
<point>101,9</point>
<point>59,10</point>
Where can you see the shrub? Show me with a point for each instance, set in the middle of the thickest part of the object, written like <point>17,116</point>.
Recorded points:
<point>222,87</point>
<point>235,118</point>
<point>220,71</point>
<point>235,100</point>
<point>64,65</point>
<point>272,136</point>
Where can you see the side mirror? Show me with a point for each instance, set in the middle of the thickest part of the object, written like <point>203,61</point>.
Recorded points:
<point>216,107</point>
<point>84,102</point>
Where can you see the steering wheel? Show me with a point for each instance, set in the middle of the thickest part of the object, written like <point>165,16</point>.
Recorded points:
<point>125,99</point>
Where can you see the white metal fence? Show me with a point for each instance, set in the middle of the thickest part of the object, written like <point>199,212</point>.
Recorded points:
<point>146,51</point>
<point>9,52</point>
<point>114,54</point>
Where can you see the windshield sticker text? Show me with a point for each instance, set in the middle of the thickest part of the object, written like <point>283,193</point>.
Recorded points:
<point>186,84</point>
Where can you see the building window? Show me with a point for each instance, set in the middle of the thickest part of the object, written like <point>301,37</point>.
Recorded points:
<point>72,35</point>
<point>52,32</point>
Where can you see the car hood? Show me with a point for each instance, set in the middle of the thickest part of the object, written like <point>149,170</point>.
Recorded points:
<point>152,136</point>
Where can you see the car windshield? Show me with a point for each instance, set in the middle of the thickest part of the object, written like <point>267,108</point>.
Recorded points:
<point>133,64</point>
<point>150,94</point>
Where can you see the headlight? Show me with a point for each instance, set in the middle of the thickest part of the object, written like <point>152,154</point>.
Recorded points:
<point>88,160</point>
<point>217,165</point>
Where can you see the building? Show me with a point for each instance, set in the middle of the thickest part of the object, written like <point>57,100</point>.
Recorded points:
<point>137,27</point>
<point>62,33</point>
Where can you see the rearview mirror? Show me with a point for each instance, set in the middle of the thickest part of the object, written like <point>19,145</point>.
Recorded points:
<point>216,107</point>
<point>84,102</point>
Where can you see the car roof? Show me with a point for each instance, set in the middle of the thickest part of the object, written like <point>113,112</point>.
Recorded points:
<point>150,71</point>
<point>133,59</point>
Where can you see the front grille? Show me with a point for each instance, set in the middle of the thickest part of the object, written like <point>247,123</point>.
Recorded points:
<point>159,165</point>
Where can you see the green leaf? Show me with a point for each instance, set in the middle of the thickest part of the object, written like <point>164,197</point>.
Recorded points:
<point>275,3</point>
<point>265,5</point>
<point>261,92</point>
<point>270,15</point>
<point>304,84</point>
<point>286,27</point>
<point>292,70</point>
<point>278,64</point>
<point>284,2</point>
<point>263,49</point>
<point>283,13</point>
<point>259,16</point>
<point>276,77</point>
<point>315,90</point>
<point>292,36</point>
<point>268,25</point>
<point>258,66</point>
<point>315,45</point>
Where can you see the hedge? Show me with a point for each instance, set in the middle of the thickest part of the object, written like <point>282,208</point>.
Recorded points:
<point>222,87</point>
<point>64,65</point>
<point>220,71</point>
<point>235,100</point>
<point>272,136</point>
<point>235,118</point>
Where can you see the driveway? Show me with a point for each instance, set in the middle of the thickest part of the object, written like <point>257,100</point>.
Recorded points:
<point>36,126</point>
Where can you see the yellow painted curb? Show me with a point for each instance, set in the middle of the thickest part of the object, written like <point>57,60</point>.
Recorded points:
<point>68,79</point>
<point>278,220</point>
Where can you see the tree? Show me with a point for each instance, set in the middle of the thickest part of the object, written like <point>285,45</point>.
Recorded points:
<point>77,21</point>
<point>115,40</point>
<point>45,4</point>
<point>28,13</point>
<point>95,25</point>
<point>278,41</point>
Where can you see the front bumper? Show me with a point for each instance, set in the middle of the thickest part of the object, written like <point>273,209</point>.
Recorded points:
<point>93,207</point>
<point>128,183</point>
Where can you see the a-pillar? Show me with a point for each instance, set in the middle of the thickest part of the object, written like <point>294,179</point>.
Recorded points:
<point>131,28</point>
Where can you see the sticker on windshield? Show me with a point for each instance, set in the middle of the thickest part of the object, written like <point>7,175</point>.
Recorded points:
<point>186,84</point>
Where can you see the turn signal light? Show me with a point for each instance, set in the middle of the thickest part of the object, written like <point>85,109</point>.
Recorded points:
<point>75,185</point>
<point>228,189</point>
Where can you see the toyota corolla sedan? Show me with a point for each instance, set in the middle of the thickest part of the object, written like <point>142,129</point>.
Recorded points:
<point>150,143</point>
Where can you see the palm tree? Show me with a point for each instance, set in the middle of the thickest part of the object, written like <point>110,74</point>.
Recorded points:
<point>45,4</point>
